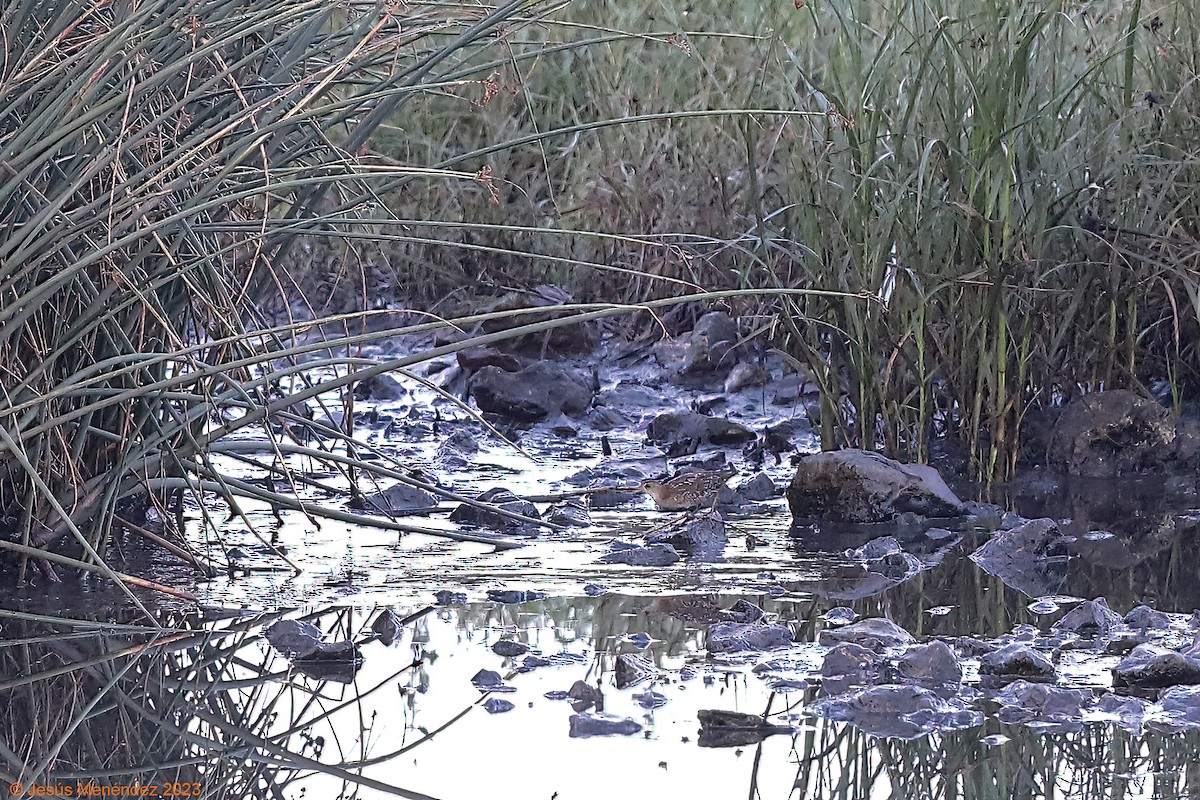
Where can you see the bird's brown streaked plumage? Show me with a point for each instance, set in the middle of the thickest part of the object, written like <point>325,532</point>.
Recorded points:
<point>688,492</point>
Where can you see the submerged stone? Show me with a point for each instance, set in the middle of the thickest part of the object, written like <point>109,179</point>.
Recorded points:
<point>702,537</point>
<point>931,665</point>
<point>1018,661</point>
<point>570,514</point>
<point>535,393</point>
<point>1089,618</point>
<point>514,596</point>
<point>898,711</point>
<point>1147,617</point>
<point>1031,557</point>
<point>840,616</point>
<point>874,633</point>
<point>735,637</point>
<point>849,666</point>
<point>633,669</point>
<point>497,497</point>
<point>295,638</point>
<point>655,555</point>
<point>507,648</point>
<point>758,488</point>
<point>600,724</point>
<point>445,597</point>
<point>397,499</point>
<point>745,612</point>
<point>387,627</point>
<point>673,428</point>
<point>734,729</point>
<point>1050,709</point>
<point>495,705</point>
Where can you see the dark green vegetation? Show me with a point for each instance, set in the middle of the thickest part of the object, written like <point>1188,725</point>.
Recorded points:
<point>1005,193</point>
<point>158,162</point>
<point>999,198</point>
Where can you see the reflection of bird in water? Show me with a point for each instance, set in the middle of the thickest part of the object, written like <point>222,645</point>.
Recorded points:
<point>688,492</point>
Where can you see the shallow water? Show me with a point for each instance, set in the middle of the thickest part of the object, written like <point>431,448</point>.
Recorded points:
<point>215,704</point>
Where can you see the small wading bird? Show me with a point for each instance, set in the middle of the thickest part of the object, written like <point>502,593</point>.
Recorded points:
<point>689,492</point>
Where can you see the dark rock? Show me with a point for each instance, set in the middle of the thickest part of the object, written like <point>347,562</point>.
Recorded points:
<point>626,470</point>
<point>1122,644</point>
<point>574,339</point>
<point>674,427</point>
<point>514,596</point>
<point>874,633</point>
<point>1181,705</point>
<point>712,461</point>
<point>294,638</point>
<point>758,488</point>
<point>716,326</point>
<point>848,666</point>
<point>640,639</point>
<point>510,649</point>
<point>702,538</point>
<point>1031,558</point>
<point>457,450</point>
<point>745,374</point>
<point>633,669</point>
<point>650,700</point>
<point>1049,709</point>
<point>607,493</point>
<point>1147,617</point>
<point>608,419</point>
<point>397,499</point>
<point>532,662</point>
<point>707,349</point>
<point>734,729</point>
<point>1112,433</point>
<point>792,388</point>
<point>901,712</point>
<point>583,696</point>
<point>474,358</point>
<point>744,612</point>
<point>445,597</point>
<point>1017,661</point>
<point>380,387</point>
<point>495,705</point>
<point>840,616</point>
<point>531,395</point>
<point>585,725</point>
<point>497,497</point>
<point>387,627</point>
<point>630,395</point>
<point>931,665</point>
<point>487,680</point>
<point>656,555</point>
<point>882,547</point>
<point>1090,618</point>
<point>860,486</point>
<point>1149,666</point>
<point>568,513</point>
<point>595,590</point>
<point>733,637</point>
